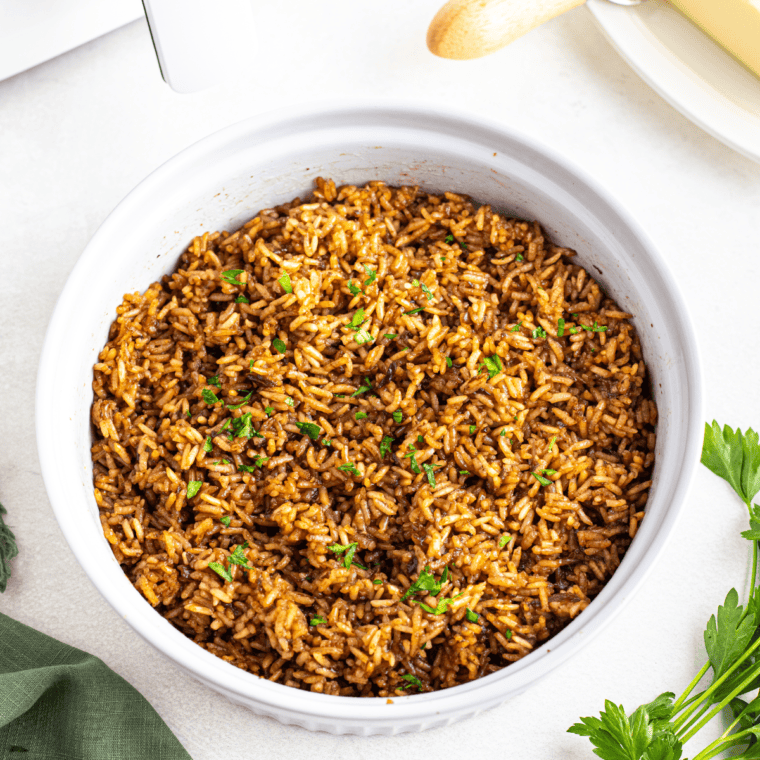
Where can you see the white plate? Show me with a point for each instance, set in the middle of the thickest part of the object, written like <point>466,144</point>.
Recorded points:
<point>694,74</point>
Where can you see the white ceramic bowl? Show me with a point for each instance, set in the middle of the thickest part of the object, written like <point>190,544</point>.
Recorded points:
<point>224,180</point>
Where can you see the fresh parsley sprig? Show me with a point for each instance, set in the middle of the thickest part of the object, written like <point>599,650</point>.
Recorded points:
<point>660,729</point>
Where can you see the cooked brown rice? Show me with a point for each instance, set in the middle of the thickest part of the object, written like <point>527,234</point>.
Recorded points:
<point>513,389</point>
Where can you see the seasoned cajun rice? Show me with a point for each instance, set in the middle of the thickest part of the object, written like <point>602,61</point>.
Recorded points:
<point>376,443</point>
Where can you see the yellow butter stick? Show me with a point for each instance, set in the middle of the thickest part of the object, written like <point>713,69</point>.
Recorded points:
<point>733,24</point>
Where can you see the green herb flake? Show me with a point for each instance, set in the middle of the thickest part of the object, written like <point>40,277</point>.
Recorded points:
<point>259,460</point>
<point>243,401</point>
<point>215,381</point>
<point>349,550</point>
<point>242,427</point>
<point>363,388</point>
<point>193,487</point>
<point>289,401</point>
<point>225,520</point>
<point>371,275</point>
<point>462,245</point>
<point>238,558</point>
<point>231,276</point>
<point>353,289</point>
<point>440,608</point>
<point>449,363</point>
<point>377,581</point>
<point>508,635</point>
<point>472,429</point>
<point>413,681</point>
<point>350,467</point>
<point>415,311</point>
<point>221,570</point>
<point>398,415</point>
<point>317,620</point>
<point>207,445</point>
<point>503,432</point>
<point>516,328</point>
<point>285,283</point>
<point>503,541</point>
<point>390,336</point>
<point>309,428</point>
<point>412,456</point>
<point>241,299</point>
<point>470,615</point>
<point>360,416</point>
<point>326,441</point>
<point>549,472</point>
<point>519,257</point>
<point>357,320</point>
<point>542,480</point>
<point>449,239</point>
<point>539,332</point>
<point>209,396</point>
<point>493,365</point>
<point>428,468</point>
<point>279,346</point>
<point>246,468</point>
<point>269,411</point>
<point>385,446</point>
<point>464,472</point>
<point>426,582</point>
<point>363,337</point>
<point>574,331</point>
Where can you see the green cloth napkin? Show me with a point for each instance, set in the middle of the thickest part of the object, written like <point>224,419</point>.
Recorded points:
<point>59,703</point>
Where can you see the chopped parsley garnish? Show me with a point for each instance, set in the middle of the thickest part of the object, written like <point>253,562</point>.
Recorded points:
<point>246,468</point>
<point>493,365</point>
<point>363,388</point>
<point>242,402</point>
<point>517,327</point>
<point>241,299</point>
<point>390,336</point>
<point>425,289</point>
<point>519,257</point>
<point>326,441</point>
<point>353,289</point>
<point>215,381</point>
<point>221,570</point>
<point>470,615</point>
<point>349,549</point>
<point>225,520</point>
<point>360,416</point>
<point>503,432</point>
<point>464,472</point>
<point>193,487</point>
<point>259,460</point>
<point>412,456</point>
<point>420,439</point>
<point>573,331</point>
<point>377,581</point>
<point>309,428</point>
<point>503,541</point>
<point>427,582</point>
<point>429,472</point>
<point>385,446</point>
<point>549,472</point>
<point>440,608</point>
<point>449,363</point>
<point>238,558</point>
<point>473,428</point>
<point>551,443</point>
<point>542,480</point>
<point>398,415</point>
<point>413,681</point>
<point>372,275</point>
<point>242,427</point>
<point>279,346</point>
<point>286,284</point>
<point>269,411</point>
<point>560,327</point>
<point>508,635</point>
<point>362,337</point>
<point>209,396</point>
<point>207,445</point>
<point>357,320</point>
<point>415,311</point>
<point>595,328</point>
<point>449,238</point>
<point>463,245</point>
<point>350,467</point>
<point>231,276</point>
<point>289,401</point>
<point>539,332</point>
<point>317,620</point>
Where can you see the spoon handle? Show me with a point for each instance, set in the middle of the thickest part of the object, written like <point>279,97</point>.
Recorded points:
<point>464,29</point>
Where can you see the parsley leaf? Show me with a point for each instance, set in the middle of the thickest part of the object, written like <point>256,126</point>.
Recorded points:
<point>221,570</point>
<point>349,550</point>
<point>238,558</point>
<point>412,455</point>
<point>360,416</point>
<point>285,283</point>
<point>385,446</point>
<point>309,428</point>
<point>279,346</point>
<point>542,480</point>
<point>449,363</point>
<point>225,520</point>
<point>464,472</point>
<point>289,401</point>
<point>363,337</point>
<point>449,239</point>
<point>372,275</point>
<point>595,328</point>
<point>560,327</point>
<point>246,468</point>
<point>440,608</point>
<point>209,396</point>
<point>350,467</point>
<point>493,365</point>
<point>377,581</point>
<point>735,457</point>
<point>470,615</point>
<point>231,276</point>
<point>317,620</point>
<point>472,429</point>
<point>413,681</point>
<point>357,320</point>
<point>517,327</point>
<point>259,460</point>
<point>426,582</point>
<point>539,332</point>
<point>415,311</point>
<point>428,468</point>
<point>503,541</point>
<point>363,388</point>
<point>215,381</point>
<point>398,415</point>
<point>519,257</point>
<point>269,411</point>
<point>390,336</point>
<point>207,445</point>
<point>242,427</point>
<point>353,289</point>
<point>193,487</point>
<point>242,403</point>
<point>727,637</point>
<point>241,299</point>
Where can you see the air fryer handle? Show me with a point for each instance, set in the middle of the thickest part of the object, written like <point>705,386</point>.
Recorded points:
<point>200,43</point>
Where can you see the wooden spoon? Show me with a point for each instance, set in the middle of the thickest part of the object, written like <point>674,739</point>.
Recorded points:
<point>464,29</point>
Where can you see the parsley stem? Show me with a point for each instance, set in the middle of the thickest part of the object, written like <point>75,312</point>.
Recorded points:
<point>681,701</point>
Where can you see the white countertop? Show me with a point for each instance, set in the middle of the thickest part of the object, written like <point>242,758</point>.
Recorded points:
<point>77,133</point>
